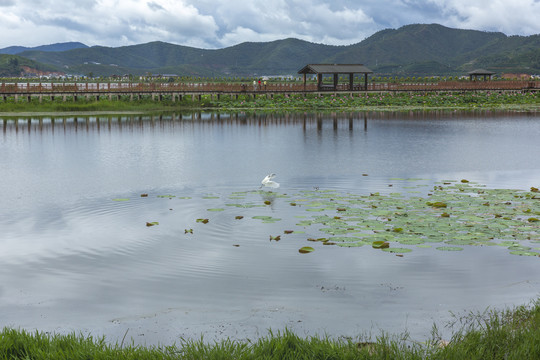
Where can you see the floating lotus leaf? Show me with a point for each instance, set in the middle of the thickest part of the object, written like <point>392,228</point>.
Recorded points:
<point>184,197</point>
<point>153,223</point>
<point>397,250</point>
<point>345,239</point>
<point>270,221</point>
<point>508,243</point>
<point>460,242</point>
<point>524,253</point>
<point>210,197</point>
<point>204,221</point>
<point>449,248</point>
<point>306,250</point>
<point>166,196</point>
<point>262,217</point>
<point>379,244</point>
<point>518,247</point>
<point>318,239</point>
<point>120,199</point>
<point>436,204</point>
<point>215,209</point>
<point>351,244</point>
<point>411,241</point>
<point>245,206</point>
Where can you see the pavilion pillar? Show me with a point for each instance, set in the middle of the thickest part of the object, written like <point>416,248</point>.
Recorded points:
<point>365,82</point>
<point>335,81</point>
<point>351,81</point>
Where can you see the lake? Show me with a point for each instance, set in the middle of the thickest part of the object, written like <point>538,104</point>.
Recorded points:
<point>103,225</point>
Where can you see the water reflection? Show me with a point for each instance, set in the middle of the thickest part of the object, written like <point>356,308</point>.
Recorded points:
<point>308,120</point>
<point>73,258</point>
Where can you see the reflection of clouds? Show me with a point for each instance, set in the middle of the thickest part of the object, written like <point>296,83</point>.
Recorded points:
<point>67,243</point>
<point>51,232</point>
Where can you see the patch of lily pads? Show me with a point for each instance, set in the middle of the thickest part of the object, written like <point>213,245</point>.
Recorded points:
<point>455,214</point>
<point>450,216</point>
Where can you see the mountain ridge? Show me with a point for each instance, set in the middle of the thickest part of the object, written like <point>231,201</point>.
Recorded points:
<point>14,50</point>
<point>415,49</point>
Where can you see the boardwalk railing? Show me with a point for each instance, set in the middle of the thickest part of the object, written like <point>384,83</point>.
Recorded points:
<point>126,88</point>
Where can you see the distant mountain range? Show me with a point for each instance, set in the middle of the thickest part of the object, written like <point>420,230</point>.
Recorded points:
<point>412,50</point>
<point>14,50</point>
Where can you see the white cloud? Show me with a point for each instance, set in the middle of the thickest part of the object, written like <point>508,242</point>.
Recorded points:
<point>521,17</point>
<point>220,23</point>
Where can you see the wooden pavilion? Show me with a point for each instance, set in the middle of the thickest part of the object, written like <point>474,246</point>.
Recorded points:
<point>479,73</point>
<point>336,70</point>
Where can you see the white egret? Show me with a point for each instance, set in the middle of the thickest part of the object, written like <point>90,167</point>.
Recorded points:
<point>267,181</point>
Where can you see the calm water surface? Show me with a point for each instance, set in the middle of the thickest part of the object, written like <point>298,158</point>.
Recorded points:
<point>74,259</point>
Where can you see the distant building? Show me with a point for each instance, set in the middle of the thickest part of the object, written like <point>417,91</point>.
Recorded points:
<point>335,70</point>
<point>482,73</point>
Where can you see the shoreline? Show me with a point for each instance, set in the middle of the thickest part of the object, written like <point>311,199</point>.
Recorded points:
<point>532,109</point>
<point>384,102</point>
<point>505,332</point>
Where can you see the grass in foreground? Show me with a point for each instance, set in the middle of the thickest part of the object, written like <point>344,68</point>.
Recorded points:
<point>507,334</point>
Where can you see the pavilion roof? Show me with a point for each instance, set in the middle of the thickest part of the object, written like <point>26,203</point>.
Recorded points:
<point>335,69</point>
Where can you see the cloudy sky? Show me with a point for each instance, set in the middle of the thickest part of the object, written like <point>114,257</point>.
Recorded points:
<point>220,23</point>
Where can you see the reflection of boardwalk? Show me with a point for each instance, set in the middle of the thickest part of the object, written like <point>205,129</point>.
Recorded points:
<point>195,91</point>
<point>309,121</point>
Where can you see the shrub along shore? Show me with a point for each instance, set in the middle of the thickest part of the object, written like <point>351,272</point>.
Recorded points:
<point>380,101</point>
<point>506,334</point>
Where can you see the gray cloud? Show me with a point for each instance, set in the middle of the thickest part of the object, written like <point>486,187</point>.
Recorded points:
<point>221,23</point>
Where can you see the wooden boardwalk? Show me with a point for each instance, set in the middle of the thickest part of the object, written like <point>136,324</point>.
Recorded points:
<point>177,91</point>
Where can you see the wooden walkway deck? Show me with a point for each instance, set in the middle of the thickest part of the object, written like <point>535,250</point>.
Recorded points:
<point>176,91</point>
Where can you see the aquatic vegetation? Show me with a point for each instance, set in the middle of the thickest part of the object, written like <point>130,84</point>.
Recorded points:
<point>389,100</point>
<point>306,250</point>
<point>451,214</point>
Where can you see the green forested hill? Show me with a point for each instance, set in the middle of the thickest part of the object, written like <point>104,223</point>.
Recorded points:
<point>421,49</point>
<point>13,65</point>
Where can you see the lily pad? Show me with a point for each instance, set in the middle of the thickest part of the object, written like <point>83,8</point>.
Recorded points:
<point>524,253</point>
<point>379,244</point>
<point>397,250</point>
<point>215,209</point>
<point>449,248</point>
<point>306,250</point>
